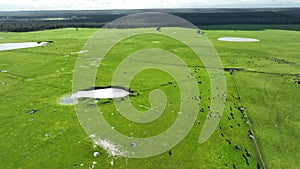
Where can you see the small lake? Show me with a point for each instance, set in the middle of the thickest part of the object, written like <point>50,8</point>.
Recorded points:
<point>104,93</point>
<point>237,39</point>
<point>21,45</point>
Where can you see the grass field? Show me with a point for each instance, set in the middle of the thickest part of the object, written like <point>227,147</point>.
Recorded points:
<point>53,138</point>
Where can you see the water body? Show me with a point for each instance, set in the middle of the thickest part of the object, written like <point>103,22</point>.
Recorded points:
<point>236,39</point>
<point>106,93</point>
<point>103,93</point>
<point>21,45</point>
<point>67,100</point>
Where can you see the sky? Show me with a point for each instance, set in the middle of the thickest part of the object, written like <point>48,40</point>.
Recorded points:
<point>13,5</point>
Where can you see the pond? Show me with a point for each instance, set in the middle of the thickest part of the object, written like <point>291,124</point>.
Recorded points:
<point>105,93</point>
<point>236,39</point>
<point>102,93</point>
<point>21,45</point>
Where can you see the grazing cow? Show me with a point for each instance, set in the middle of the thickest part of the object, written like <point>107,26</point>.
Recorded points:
<point>247,153</point>
<point>32,111</point>
<point>229,142</point>
<point>241,109</point>
<point>232,115</point>
<point>247,162</point>
<point>237,147</point>
<point>258,166</point>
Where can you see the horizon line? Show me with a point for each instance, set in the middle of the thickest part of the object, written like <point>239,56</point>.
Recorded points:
<point>121,9</point>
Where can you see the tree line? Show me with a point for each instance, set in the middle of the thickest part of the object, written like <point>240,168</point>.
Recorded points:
<point>23,21</point>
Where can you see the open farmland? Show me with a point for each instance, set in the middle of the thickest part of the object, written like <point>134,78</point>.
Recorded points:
<point>263,81</point>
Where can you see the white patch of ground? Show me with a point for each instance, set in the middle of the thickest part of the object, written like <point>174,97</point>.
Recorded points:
<point>107,93</point>
<point>237,39</point>
<point>146,107</point>
<point>111,148</point>
<point>21,45</point>
<point>82,51</point>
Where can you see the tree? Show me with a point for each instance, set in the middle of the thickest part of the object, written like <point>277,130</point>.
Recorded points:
<point>158,28</point>
<point>200,32</point>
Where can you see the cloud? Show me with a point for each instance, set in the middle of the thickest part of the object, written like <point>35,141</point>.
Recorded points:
<point>139,4</point>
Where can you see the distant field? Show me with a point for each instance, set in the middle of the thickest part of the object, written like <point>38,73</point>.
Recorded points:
<point>53,138</point>
<point>24,21</point>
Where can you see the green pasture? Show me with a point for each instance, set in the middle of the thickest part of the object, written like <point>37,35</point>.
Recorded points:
<point>37,78</point>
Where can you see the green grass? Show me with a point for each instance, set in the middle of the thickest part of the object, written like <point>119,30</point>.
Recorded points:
<point>271,99</point>
<point>38,77</point>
